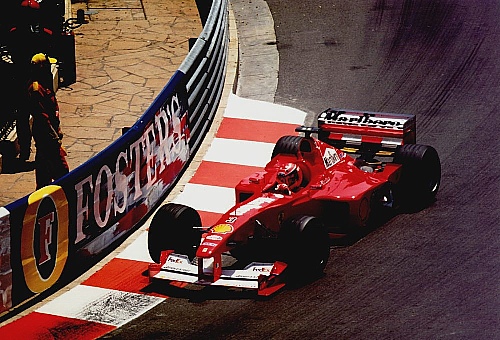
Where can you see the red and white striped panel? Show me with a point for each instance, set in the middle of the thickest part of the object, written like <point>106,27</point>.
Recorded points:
<point>118,292</point>
<point>353,140</point>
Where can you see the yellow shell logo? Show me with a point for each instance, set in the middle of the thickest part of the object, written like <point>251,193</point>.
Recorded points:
<point>222,228</point>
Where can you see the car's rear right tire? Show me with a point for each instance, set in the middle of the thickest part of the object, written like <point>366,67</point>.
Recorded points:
<point>289,145</point>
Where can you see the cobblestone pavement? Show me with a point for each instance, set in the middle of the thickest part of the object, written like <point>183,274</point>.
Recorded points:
<point>125,55</point>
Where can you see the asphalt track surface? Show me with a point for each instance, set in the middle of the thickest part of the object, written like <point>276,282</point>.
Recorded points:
<point>433,274</point>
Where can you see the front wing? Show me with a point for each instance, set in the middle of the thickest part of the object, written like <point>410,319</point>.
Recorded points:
<point>263,277</point>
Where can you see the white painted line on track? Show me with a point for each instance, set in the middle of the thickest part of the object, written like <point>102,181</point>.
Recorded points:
<point>106,306</point>
<point>240,152</point>
<point>207,198</point>
<point>137,250</point>
<point>244,108</point>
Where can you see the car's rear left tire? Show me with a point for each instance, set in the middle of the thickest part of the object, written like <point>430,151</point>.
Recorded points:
<point>174,227</point>
<point>421,175</point>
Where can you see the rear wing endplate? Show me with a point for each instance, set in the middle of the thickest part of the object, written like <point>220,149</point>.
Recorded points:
<point>366,132</point>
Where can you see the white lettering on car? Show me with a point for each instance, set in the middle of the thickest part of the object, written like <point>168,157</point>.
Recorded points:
<point>257,203</point>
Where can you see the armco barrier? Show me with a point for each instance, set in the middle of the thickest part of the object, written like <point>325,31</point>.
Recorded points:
<point>52,235</point>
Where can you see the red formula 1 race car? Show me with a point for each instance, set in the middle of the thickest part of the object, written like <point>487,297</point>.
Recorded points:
<point>361,165</point>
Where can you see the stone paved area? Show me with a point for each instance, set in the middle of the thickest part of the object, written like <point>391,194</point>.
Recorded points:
<point>125,55</point>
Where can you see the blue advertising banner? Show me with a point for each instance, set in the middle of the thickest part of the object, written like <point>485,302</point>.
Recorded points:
<point>83,213</point>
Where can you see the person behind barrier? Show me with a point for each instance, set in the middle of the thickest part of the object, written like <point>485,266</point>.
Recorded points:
<point>27,36</point>
<point>50,157</point>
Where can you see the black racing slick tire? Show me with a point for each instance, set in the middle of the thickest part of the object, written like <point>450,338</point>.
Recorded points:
<point>305,247</point>
<point>287,145</point>
<point>176,227</point>
<point>421,175</point>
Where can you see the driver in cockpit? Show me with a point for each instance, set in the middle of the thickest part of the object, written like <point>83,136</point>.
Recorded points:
<point>288,179</point>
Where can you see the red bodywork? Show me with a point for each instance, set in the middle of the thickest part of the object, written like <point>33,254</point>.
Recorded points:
<point>331,183</point>
<point>332,186</point>
<point>334,189</point>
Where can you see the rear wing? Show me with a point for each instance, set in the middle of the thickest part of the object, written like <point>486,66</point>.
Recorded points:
<point>366,132</point>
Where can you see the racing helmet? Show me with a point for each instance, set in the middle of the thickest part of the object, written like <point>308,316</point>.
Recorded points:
<point>31,4</point>
<point>41,70</point>
<point>42,59</point>
<point>289,174</point>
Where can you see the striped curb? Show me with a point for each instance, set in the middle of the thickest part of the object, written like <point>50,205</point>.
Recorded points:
<point>119,292</point>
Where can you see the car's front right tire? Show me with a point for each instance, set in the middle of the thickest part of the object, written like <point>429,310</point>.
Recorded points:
<point>174,227</point>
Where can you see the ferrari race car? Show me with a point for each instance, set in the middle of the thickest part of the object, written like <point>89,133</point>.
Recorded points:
<point>362,164</point>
